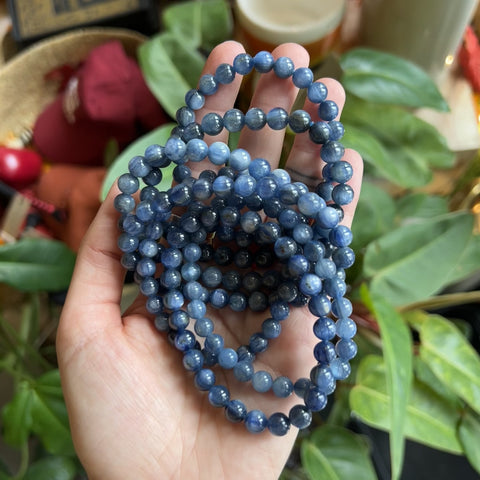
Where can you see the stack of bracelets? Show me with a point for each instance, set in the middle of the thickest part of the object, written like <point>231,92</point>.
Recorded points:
<point>278,245</point>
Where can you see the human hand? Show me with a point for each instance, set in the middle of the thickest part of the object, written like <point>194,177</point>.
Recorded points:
<point>133,409</point>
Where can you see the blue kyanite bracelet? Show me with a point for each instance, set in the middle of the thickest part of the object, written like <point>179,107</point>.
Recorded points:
<point>218,252</point>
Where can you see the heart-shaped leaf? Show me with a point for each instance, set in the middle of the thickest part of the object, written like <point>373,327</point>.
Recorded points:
<point>385,78</point>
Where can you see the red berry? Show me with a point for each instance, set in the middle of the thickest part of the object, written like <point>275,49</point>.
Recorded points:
<point>19,167</point>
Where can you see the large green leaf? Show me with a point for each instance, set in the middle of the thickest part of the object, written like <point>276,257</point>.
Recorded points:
<point>171,68</point>
<point>202,24</point>
<point>120,165</point>
<point>429,419</point>
<point>385,78</point>
<point>413,262</point>
<point>17,417</point>
<point>36,264</point>
<point>452,358</point>
<point>334,453</point>
<point>469,433</point>
<point>420,205</point>
<point>397,352</point>
<point>52,468</point>
<point>374,215</point>
<point>413,146</point>
<point>468,263</point>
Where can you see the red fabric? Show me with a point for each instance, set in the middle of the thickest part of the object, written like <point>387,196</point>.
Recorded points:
<point>469,57</point>
<point>113,103</point>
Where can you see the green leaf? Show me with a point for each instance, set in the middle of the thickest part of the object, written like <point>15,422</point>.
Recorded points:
<point>430,419</point>
<point>397,352</point>
<point>421,205</point>
<point>36,264</point>
<point>120,166</point>
<point>374,215</point>
<point>17,417</point>
<point>385,78</point>
<point>335,453</point>
<point>413,262</point>
<point>452,358</point>
<point>468,263</point>
<point>469,433</point>
<point>50,423</point>
<point>170,68</point>
<point>202,24</point>
<point>412,145</point>
<point>52,468</point>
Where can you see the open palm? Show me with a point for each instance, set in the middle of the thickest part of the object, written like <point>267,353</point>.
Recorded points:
<point>133,409</point>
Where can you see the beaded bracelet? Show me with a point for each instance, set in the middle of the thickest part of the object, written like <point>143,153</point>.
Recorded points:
<point>295,258</point>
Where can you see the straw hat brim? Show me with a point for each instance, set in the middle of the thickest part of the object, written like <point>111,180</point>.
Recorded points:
<point>24,90</point>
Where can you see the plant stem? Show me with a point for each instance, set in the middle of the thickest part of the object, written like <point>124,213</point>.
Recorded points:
<point>443,301</point>
<point>24,462</point>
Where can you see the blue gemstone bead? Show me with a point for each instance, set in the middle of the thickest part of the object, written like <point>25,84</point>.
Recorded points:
<point>124,203</point>
<point>324,190</point>
<point>202,189</point>
<point>258,168</point>
<point>212,123</point>
<point>224,73</point>
<point>346,328</point>
<point>243,63</point>
<point>346,348</point>
<point>235,411</point>
<point>184,116</point>
<point>132,225</point>
<point>146,267</point>
<point>282,387</point>
<point>320,305</point>
<point>340,368</point>
<point>324,352</point>
<point>255,119</point>
<point>317,92</point>
<point>279,310</point>
<point>249,221</point>
<point>204,379</point>
<point>128,183</point>
<point>175,149</point>
<point>341,171</point>
<point>302,77</point>
<point>332,152</point>
<point>170,278</point>
<point>342,307</point>
<point>300,416</point>
<point>154,304</point>
<point>179,320</point>
<point>155,156</point>
<point>185,340</point>
<point>314,251</point>
<point>283,67</point>
<point>219,396</point>
<point>343,257</point>
<point>207,85</point>
<point>277,118</point>
<point>324,328</point>
<point>278,424</point>
<point>193,360</point>
<point>191,131</point>
<point>302,233</point>
<point>129,261</point>
<point>190,271</point>
<point>227,358</point>
<point>196,309</point>
<point>310,204</point>
<point>327,217</point>
<point>328,110</point>
<point>325,268</point>
<point>223,186</point>
<point>127,243</point>
<point>263,62</point>
<point>256,421</point>
<point>191,252</point>
<point>194,99</point>
<point>299,121</point>
<point>271,328</point>
<point>138,166</point>
<point>323,378</point>
<point>245,185</point>
<point>210,358</point>
<point>337,130</point>
<point>298,265</point>
<point>173,300</point>
<point>342,194</point>
<point>262,381</point>
<point>239,159</point>
<point>341,236</point>
<point>212,277</point>
<point>154,177</point>
<point>237,302</point>
<point>161,322</point>
<point>320,133</point>
<point>301,386</point>
<point>219,298</point>
<point>243,370</point>
<point>148,248</point>
<point>149,286</point>
<point>310,284</point>
<point>196,150</point>
<point>315,399</point>
<point>234,120</point>
<point>203,327</point>
<point>285,247</point>
<point>266,187</point>
<point>214,343</point>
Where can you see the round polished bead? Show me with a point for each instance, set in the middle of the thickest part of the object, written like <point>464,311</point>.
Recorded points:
<point>204,379</point>
<point>341,236</point>
<point>332,152</point>
<point>256,421</point>
<point>243,258</point>
<point>146,267</point>
<point>341,369</point>
<point>266,187</point>
<point>245,185</point>
<point>234,120</point>
<point>223,255</point>
<point>212,277</point>
<point>255,118</point>
<point>300,416</point>
<point>243,63</point>
<point>127,243</point>
<point>302,233</point>
<point>161,322</point>
<point>223,185</point>
<point>299,121</point>
<point>196,150</point>
<point>346,328</point>
<point>203,327</point>
<point>132,225</point>
<point>262,381</point>
<point>337,130</point>
<point>288,194</point>
<point>328,110</point>
<point>219,396</point>
<point>149,286</point>
<point>283,67</point>
<point>298,265</point>
<point>320,133</point>
<point>219,298</point>
<point>278,424</point>
<point>343,257</point>
<point>235,411</point>
<point>342,194</point>
<point>243,370</point>
<point>212,123</point>
<point>239,159</point>
<point>237,302</point>
<point>191,131</point>
<point>324,328</point>
<point>154,304</point>
<point>193,360</point>
<point>129,261</point>
<point>327,217</point>
<point>184,116</point>
<point>287,291</point>
<point>279,310</point>
<point>324,190</point>
<point>207,85</point>
<point>124,203</point>
<point>263,62</point>
<point>317,92</point>
<point>346,348</point>
<point>138,166</point>
<point>310,203</point>
<point>196,309</point>
<point>324,352</point>
<point>310,284</point>
<point>340,172</point>
<point>271,328</point>
<point>185,340</point>
<point>285,247</point>
<point>179,320</point>
<point>302,77</point>
<point>170,278</point>
<point>128,183</point>
<point>224,74</point>
<point>173,300</point>
<point>227,358</point>
<point>323,378</point>
<point>214,343</point>
<point>175,149</point>
<point>190,271</point>
<point>194,99</point>
<point>258,168</point>
<point>232,280</point>
<point>282,387</point>
<point>277,118</point>
<point>315,399</point>
<point>301,386</point>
